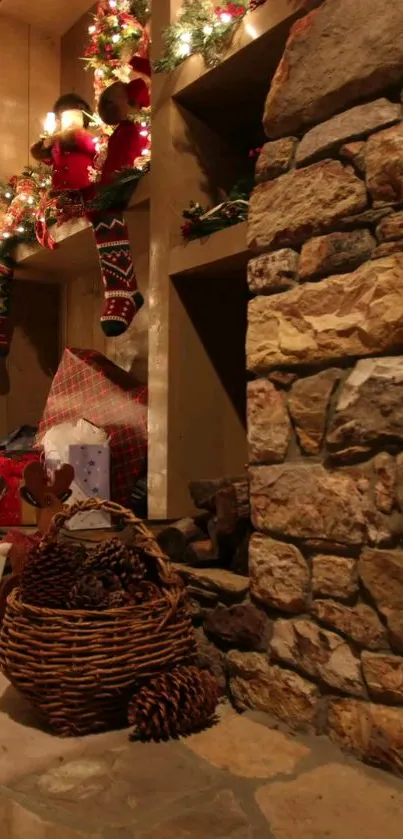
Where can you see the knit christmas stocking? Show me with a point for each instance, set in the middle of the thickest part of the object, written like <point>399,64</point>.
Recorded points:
<point>6,276</point>
<point>122,298</point>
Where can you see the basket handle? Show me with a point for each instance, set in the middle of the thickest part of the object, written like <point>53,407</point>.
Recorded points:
<point>145,538</point>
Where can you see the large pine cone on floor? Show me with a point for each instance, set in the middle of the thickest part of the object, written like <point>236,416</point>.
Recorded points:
<point>115,557</point>
<point>49,573</point>
<point>174,704</point>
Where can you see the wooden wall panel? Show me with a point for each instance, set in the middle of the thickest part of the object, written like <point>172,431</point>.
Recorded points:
<point>74,77</point>
<point>29,85</point>
<point>26,378</point>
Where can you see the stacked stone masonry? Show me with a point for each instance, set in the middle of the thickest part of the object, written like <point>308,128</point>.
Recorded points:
<point>325,397</point>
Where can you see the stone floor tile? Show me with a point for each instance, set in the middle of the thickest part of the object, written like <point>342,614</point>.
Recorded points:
<point>24,746</point>
<point>219,818</point>
<point>246,748</point>
<point>336,801</point>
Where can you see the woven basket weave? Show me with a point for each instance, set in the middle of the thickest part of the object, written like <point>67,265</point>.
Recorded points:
<point>78,668</point>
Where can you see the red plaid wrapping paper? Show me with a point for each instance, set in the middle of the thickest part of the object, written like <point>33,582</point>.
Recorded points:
<point>89,386</point>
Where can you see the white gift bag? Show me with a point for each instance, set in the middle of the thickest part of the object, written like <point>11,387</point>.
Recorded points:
<point>86,448</point>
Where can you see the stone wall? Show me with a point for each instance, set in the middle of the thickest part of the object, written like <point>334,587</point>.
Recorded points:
<point>325,400</point>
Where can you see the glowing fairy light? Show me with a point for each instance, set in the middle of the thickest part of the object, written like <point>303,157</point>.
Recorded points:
<point>225,17</point>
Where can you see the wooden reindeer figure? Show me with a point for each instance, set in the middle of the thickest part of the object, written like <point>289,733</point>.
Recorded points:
<point>47,494</point>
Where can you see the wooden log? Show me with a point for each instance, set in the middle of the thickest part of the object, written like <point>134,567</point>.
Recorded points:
<point>204,492</point>
<point>201,554</point>
<point>232,506</point>
<point>175,538</point>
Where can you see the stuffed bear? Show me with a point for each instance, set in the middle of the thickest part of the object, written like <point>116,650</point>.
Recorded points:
<point>115,106</point>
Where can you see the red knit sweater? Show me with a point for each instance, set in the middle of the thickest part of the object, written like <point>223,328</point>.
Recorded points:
<point>70,169</point>
<point>126,142</point>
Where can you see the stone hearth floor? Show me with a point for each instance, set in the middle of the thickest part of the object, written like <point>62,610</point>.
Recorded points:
<point>242,779</point>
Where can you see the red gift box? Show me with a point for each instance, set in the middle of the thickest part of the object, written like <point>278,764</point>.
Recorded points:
<point>12,508</point>
<point>89,386</point>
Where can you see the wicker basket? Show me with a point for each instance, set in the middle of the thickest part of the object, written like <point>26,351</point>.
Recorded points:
<point>78,668</point>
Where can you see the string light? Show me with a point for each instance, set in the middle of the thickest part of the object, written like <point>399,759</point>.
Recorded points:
<point>225,17</point>
<point>186,37</point>
<point>207,30</point>
<point>115,38</point>
<point>8,195</point>
<point>20,229</point>
<point>6,235</point>
<point>92,29</point>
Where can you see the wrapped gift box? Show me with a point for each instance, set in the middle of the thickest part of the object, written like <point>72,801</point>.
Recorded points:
<point>87,385</point>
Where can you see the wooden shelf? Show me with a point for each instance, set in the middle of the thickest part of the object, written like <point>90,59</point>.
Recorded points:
<point>225,251</point>
<point>230,98</point>
<point>76,251</point>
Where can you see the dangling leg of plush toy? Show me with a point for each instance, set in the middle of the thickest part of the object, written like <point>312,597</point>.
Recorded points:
<point>122,297</point>
<point>6,276</point>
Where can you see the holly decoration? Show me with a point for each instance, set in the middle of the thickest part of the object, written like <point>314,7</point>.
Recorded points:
<point>200,221</point>
<point>203,27</point>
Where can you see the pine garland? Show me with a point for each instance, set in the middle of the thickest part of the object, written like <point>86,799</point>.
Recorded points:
<point>203,27</point>
<point>107,197</point>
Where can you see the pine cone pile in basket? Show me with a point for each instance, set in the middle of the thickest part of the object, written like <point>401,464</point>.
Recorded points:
<point>113,575</point>
<point>49,573</point>
<point>114,556</point>
<point>174,704</point>
<point>97,591</point>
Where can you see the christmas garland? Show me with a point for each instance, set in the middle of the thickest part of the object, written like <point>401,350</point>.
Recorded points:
<point>203,27</point>
<point>26,203</point>
<point>118,31</point>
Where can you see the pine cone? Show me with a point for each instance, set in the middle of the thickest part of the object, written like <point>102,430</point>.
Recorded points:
<point>97,591</point>
<point>174,704</point>
<point>143,592</point>
<point>49,573</point>
<point>113,556</point>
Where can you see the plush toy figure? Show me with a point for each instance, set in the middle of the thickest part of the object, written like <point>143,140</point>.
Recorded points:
<point>122,298</point>
<point>71,150</point>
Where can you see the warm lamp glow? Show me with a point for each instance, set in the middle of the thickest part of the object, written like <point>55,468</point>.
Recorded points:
<point>49,124</point>
<point>72,119</point>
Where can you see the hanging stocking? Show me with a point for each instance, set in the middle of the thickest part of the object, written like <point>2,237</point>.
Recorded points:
<point>6,276</point>
<point>122,298</point>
